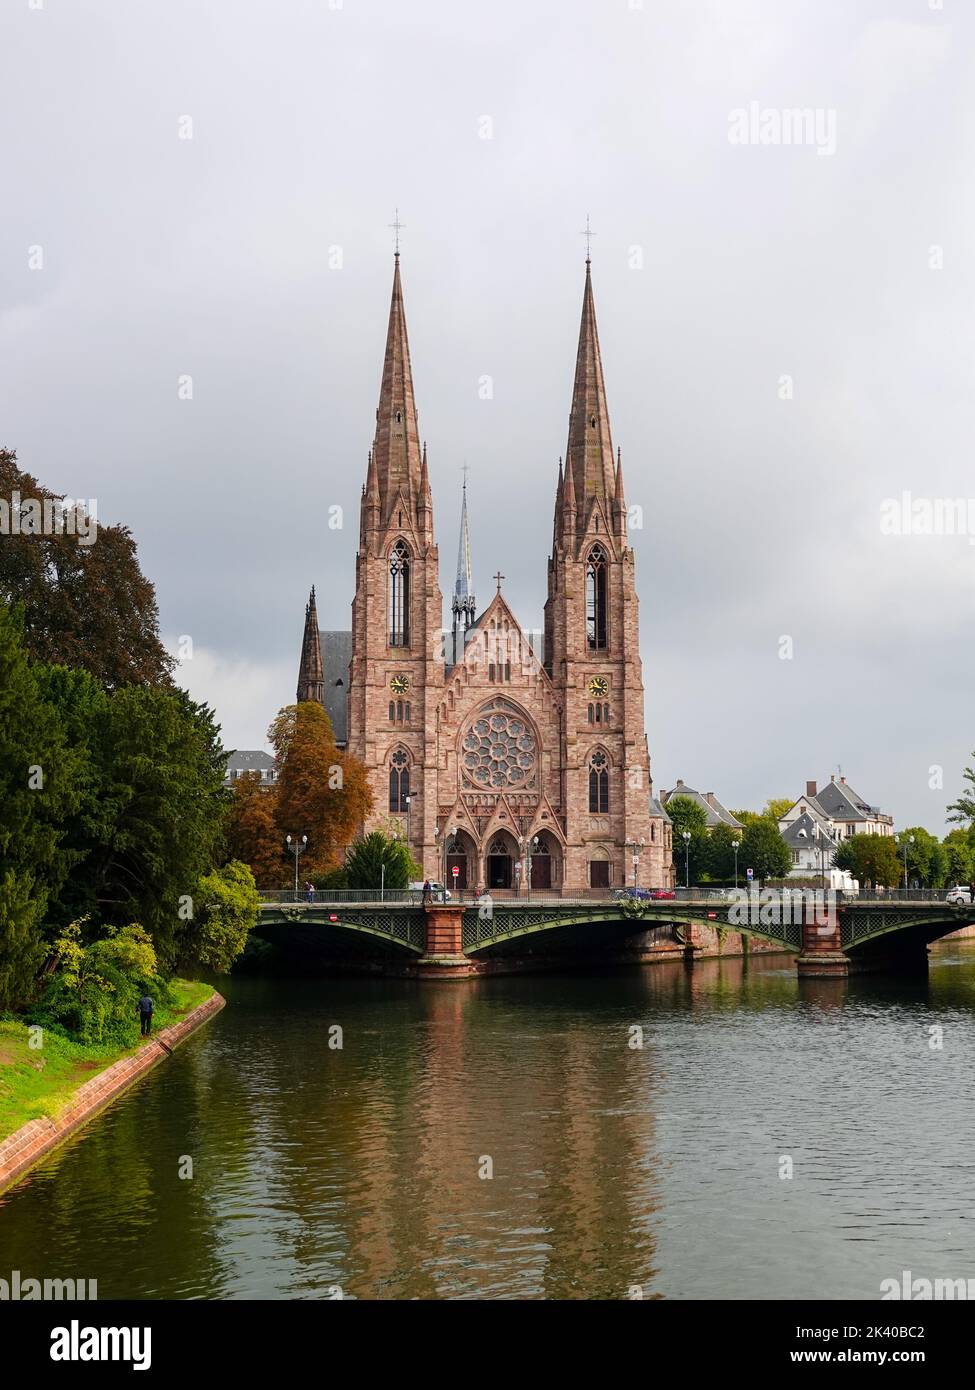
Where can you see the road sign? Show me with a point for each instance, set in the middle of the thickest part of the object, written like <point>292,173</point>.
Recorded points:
<point>455,871</point>
<point>750,873</point>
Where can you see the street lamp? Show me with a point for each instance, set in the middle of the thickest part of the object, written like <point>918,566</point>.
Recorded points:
<point>408,799</point>
<point>736,842</point>
<point>533,844</point>
<point>686,837</point>
<point>297,848</point>
<point>908,841</point>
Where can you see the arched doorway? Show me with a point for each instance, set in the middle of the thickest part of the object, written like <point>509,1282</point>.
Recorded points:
<point>500,862</point>
<point>462,856</point>
<point>546,862</point>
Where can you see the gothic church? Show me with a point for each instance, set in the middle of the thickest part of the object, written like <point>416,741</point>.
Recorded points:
<point>521,764</point>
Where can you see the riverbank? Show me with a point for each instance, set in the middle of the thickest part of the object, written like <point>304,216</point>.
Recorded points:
<point>48,1094</point>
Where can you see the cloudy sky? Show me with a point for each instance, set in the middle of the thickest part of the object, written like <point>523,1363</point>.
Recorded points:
<point>787,332</point>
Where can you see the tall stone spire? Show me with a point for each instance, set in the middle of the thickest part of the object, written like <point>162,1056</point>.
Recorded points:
<point>589,456</point>
<point>311,672</point>
<point>462,605</point>
<point>396,450</point>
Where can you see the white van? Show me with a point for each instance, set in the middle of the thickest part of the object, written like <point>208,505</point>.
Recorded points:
<point>438,892</point>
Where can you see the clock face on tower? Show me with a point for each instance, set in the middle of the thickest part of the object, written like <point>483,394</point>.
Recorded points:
<point>598,686</point>
<point>399,685</point>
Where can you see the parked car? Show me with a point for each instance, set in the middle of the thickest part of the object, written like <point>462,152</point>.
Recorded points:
<point>438,891</point>
<point>623,894</point>
<point>959,894</point>
<point>658,893</point>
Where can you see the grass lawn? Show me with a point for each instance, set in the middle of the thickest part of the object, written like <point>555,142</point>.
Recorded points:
<point>36,1082</point>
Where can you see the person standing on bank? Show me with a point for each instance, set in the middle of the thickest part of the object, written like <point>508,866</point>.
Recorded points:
<point>146,1007</point>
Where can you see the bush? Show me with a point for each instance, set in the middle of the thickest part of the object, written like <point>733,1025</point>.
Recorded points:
<point>94,994</point>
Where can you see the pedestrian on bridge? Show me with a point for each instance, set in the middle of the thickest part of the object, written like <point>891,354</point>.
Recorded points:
<point>427,892</point>
<point>310,890</point>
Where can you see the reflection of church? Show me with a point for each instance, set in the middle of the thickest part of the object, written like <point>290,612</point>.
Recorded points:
<point>504,754</point>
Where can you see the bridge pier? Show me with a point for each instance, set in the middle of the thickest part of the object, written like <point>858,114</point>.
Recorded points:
<point>822,955</point>
<point>444,957</point>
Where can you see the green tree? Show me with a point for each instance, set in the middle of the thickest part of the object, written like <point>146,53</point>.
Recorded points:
<point>226,909</point>
<point>38,781</point>
<point>927,860</point>
<point>161,774</point>
<point>764,850</point>
<point>86,605</point>
<point>963,810</point>
<point>721,852</point>
<point>688,815</point>
<point>871,859</point>
<point>368,855</point>
<point>776,807</point>
<point>961,862</point>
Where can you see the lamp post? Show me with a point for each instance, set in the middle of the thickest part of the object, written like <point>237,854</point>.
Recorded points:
<point>686,837</point>
<point>297,848</point>
<point>908,841</point>
<point>533,844</point>
<point>736,842</point>
<point>408,800</point>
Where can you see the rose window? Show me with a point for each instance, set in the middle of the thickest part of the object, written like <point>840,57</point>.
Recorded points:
<point>498,750</point>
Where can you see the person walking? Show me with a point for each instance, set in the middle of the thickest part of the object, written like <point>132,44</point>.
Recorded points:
<point>146,1007</point>
<point>427,892</point>
<point>310,890</point>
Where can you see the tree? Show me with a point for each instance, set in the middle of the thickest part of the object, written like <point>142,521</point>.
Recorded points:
<point>95,990</point>
<point>776,807</point>
<point>927,859</point>
<point>227,906</point>
<point>38,788</point>
<point>253,836</point>
<point>689,815</point>
<point>747,817</point>
<point>871,859</point>
<point>721,851</point>
<point>764,850</point>
<point>86,602</point>
<point>370,854</point>
<point>958,849</point>
<point>321,792</point>
<point>963,810</point>
<point>161,775</point>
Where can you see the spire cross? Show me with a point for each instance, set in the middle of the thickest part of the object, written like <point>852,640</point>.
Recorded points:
<point>588,234</point>
<point>465,468</point>
<point>397,227</point>
<point>498,578</point>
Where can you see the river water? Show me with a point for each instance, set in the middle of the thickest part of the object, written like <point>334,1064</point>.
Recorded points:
<point>663,1168</point>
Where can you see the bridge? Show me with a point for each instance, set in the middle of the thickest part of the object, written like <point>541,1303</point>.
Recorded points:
<point>455,939</point>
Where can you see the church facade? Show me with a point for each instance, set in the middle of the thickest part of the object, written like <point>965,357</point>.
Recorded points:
<point>519,759</point>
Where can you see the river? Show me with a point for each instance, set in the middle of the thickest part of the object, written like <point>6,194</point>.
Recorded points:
<point>507,1138</point>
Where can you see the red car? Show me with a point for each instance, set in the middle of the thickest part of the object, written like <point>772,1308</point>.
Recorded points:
<point>659,893</point>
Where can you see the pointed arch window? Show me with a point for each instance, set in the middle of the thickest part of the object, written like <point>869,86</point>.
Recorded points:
<point>399,781</point>
<point>596,598</point>
<point>598,784</point>
<point>399,596</point>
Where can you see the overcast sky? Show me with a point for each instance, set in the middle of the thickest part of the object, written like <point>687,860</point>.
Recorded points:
<point>719,268</point>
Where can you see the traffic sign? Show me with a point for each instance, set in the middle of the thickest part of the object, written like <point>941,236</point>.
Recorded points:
<point>455,871</point>
<point>750,873</point>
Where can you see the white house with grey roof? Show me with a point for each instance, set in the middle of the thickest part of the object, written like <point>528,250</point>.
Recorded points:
<point>817,824</point>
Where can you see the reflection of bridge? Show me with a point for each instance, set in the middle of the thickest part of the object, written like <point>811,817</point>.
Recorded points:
<point>455,940</point>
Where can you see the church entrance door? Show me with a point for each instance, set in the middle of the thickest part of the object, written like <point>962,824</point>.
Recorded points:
<point>499,865</point>
<point>541,870</point>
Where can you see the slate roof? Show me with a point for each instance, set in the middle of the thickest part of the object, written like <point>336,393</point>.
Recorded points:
<point>336,655</point>
<point>249,760</point>
<point>715,812</point>
<point>810,840</point>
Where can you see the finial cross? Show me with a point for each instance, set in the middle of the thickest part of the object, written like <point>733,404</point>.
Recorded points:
<point>498,578</point>
<point>397,227</point>
<point>588,234</point>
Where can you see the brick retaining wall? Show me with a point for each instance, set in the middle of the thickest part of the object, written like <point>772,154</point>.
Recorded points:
<point>38,1137</point>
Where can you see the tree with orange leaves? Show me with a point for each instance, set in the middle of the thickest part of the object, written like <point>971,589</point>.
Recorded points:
<point>321,792</point>
<point>253,836</point>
